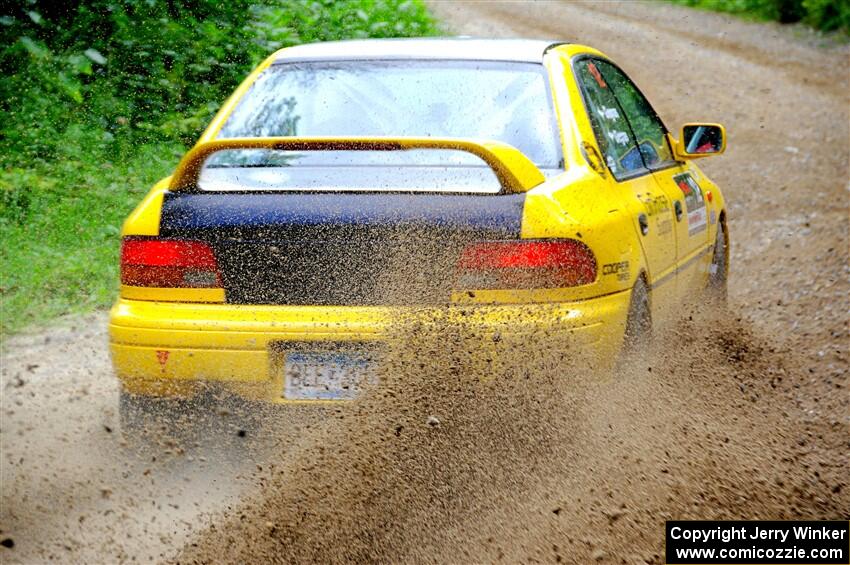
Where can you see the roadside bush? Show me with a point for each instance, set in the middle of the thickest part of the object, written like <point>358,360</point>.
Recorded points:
<point>154,68</point>
<point>828,15</point>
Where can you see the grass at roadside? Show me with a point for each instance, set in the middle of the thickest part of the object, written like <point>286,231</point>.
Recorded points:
<point>64,258</point>
<point>101,100</point>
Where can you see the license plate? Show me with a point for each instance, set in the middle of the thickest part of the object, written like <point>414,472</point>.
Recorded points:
<point>325,375</point>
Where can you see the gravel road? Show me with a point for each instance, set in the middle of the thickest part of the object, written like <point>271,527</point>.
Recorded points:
<point>739,416</point>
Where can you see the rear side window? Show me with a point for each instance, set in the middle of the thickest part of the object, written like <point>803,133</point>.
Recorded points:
<point>647,128</point>
<point>630,134</point>
<point>612,130</point>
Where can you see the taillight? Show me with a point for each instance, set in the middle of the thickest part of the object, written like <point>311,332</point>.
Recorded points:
<point>168,263</point>
<point>525,264</point>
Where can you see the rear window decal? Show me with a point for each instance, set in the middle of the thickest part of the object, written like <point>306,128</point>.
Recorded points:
<point>596,75</point>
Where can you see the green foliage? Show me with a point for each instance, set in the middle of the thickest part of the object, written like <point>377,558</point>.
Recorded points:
<point>100,97</point>
<point>826,15</point>
<point>64,257</point>
<point>158,69</point>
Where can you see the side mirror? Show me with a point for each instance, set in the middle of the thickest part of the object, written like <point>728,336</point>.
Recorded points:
<point>701,140</point>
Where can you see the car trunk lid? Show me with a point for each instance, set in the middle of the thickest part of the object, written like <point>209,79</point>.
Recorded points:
<point>339,248</point>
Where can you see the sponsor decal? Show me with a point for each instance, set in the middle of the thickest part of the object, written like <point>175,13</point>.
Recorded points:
<point>694,202</point>
<point>712,217</point>
<point>656,207</point>
<point>621,270</point>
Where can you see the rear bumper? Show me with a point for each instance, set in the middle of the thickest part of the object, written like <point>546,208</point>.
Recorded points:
<point>162,348</point>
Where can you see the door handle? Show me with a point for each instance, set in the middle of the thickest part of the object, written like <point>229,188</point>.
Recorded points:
<point>677,206</point>
<point>644,224</point>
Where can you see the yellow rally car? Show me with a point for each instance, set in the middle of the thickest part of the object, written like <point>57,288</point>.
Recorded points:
<point>511,185</point>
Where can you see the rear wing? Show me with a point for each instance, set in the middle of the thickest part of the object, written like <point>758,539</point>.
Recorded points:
<point>515,171</point>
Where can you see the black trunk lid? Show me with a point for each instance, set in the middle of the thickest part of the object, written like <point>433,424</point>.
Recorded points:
<point>339,248</point>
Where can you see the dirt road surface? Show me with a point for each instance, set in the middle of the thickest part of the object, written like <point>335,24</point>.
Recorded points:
<point>740,416</point>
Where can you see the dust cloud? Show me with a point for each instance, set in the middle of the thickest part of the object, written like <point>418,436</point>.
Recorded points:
<point>541,460</point>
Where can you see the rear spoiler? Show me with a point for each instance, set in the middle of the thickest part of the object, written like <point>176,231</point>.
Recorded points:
<point>515,171</point>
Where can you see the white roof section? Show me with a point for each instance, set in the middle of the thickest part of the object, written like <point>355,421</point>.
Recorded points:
<point>459,48</point>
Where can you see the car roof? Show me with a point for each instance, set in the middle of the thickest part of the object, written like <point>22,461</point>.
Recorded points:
<point>459,48</point>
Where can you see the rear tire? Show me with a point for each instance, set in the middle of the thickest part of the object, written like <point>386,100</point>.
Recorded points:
<point>718,273</point>
<point>639,321</point>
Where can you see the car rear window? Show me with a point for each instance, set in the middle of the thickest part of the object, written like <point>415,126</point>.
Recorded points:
<point>504,101</point>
